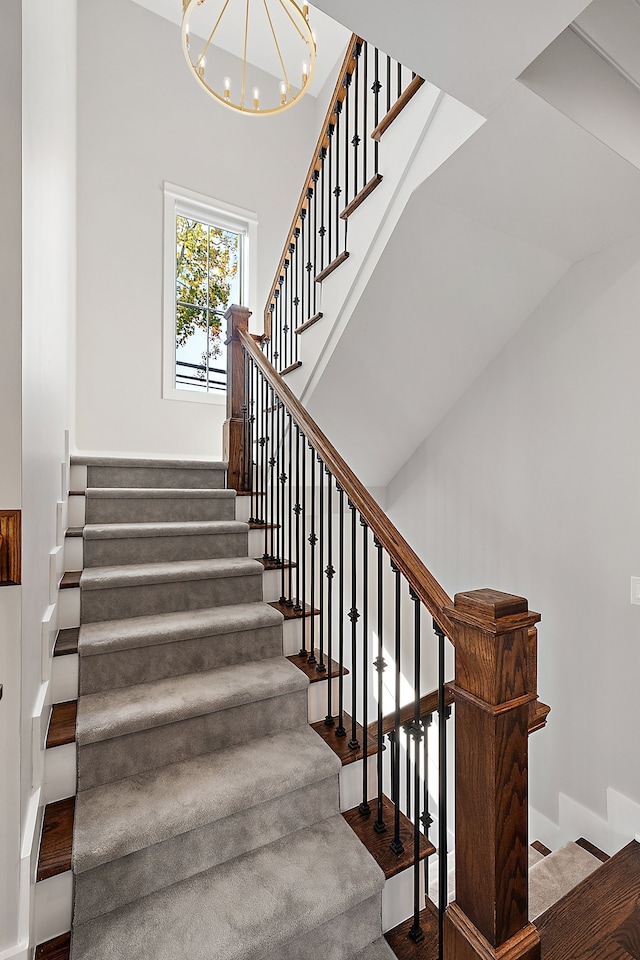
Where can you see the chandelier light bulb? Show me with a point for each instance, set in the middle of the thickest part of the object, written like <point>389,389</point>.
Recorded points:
<point>305,11</point>
<point>227,87</point>
<point>187,41</point>
<point>283,92</point>
<point>256,98</point>
<point>305,73</point>
<point>200,67</point>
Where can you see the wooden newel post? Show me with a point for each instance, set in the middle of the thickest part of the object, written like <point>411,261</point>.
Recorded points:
<point>489,918</point>
<point>233,440</point>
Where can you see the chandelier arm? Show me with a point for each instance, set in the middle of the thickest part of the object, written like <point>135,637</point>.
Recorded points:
<point>208,43</point>
<point>244,56</point>
<point>288,13</point>
<point>275,40</point>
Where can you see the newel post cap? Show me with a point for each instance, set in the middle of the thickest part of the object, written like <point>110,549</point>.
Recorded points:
<point>237,320</point>
<point>492,611</point>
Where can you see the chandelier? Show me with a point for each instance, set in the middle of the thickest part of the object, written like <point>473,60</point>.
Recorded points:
<point>272,33</point>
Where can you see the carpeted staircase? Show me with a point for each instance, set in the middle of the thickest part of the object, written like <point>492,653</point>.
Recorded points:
<point>207,821</point>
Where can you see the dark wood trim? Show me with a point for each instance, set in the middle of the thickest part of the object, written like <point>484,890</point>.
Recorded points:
<point>57,949</point>
<point>310,669</point>
<point>340,259</point>
<point>259,525</point>
<point>308,323</point>
<point>340,745</point>
<point>57,836</point>
<point>397,108</point>
<point>77,493</point>
<point>378,843</point>
<point>339,93</point>
<point>538,714</point>
<point>70,579</point>
<point>540,847</point>
<point>10,548</point>
<point>74,531</point>
<point>269,564</point>
<point>289,612</point>
<point>425,585</point>
<point>428,704</point>
<point>360,197</point>
<point>291,368</point>
<point>592,849</point>
<point>62,724</point>
<point>600,917</point>
<point>66,642</point>
<point>406,949</point>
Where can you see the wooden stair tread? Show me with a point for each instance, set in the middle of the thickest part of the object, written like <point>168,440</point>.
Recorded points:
<point>340,745</point>
<point>406,949</point>
<point>308,323</point>
<point>66,642</point>
<point>62,725</point>
<point>332,266</point>
<point>540,848</point>
<point>288,611</point>
<point>360,197</point>
<point>57,837</point>
<point>270,564</point>
<point>600,918</point>
<point>310,670</point>
<point>57,949</point>
<point>592,849</point>
<point>291,368</point>
<point>262,525</point>
<point>70,579</point>
<point>397,108</point>
<point>74,531</point>
<point>378,843</point>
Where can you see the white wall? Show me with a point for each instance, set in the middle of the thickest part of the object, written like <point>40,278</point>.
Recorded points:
<point>143,120</point>
<point>530,485</point>
<point>10,496</point>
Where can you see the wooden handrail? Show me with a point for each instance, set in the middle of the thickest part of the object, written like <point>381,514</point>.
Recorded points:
<point>339,93</point>
<point>425,586</point>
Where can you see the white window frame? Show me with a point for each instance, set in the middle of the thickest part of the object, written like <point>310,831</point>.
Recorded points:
<point>180,201</point>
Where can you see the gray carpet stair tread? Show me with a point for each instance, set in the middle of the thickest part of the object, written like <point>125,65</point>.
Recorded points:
<point>138,574</point>
<point>96,461</point>
<point>120,818</point>
<point>556,874</point>
<point>159,493</point>
<point>108,636</point>
<point>175,528</point>
<point>379,950</point>
<point>115,713</point>
<point>248,907</point>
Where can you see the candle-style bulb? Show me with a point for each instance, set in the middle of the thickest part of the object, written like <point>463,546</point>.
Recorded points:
<point>283,92</point>
<point>305,11</point>
<point>187,38</point>
<point>305,74</point>
<point>256,98</point>
<point>202,63</point>
<point>227,87</point>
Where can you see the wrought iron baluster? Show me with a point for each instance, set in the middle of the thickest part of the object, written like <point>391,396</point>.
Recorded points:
<point>399,81</point>
<point>442,788</point>
<point>380,663</point>
<point>296,300</point>
<point>290,513</point>
<point>276,472</point>
<point>284,358</point>
<point>297,510</point>
<point>245,416</point>
<point>303,302</point>
<point>263,461</point>
<point>321,667</point>
<point>315,240</point>
<point>347,145</point>
<point>396,844</point>
<point>337,190</point>
<point>416,932</point>
<point>323,230</point>
<point>303,545</point>
<point>311,229</point>
<point>376,88</point>
<point>329,573</point>
<point>364,807</point>
<point>329,226</point>
<point>313,539</point>
<point>282,477</point>
<point>272,463</point>
<point>365,111</point>
<point>407,771</point>
<point>388,84</point>
<point>340,730</point>
<point>354,616</point>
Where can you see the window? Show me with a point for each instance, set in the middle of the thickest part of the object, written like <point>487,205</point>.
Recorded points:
<point>208,266</point>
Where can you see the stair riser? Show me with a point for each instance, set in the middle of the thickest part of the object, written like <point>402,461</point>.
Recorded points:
<point>156,510</point>
<point>178,477</point>
<point>338,939</point>
<point>110,760</point>
<point>115,603</point>
<point>112,552</point>
<point>111,885</point>
<point>110,671</point>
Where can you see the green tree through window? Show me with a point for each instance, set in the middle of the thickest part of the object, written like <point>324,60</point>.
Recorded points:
<point>208,264</point>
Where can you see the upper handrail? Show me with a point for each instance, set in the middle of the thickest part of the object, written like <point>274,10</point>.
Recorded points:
<point>422,582</point>
<point>339,93</point>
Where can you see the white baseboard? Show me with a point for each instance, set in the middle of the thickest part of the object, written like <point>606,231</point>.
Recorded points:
<point>621,825</point>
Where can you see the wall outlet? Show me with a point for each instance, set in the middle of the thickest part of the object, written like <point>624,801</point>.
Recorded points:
<point>635,590</point>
